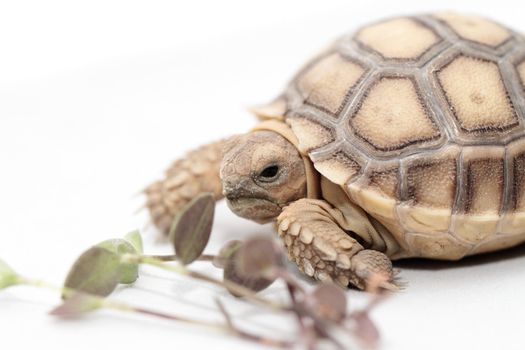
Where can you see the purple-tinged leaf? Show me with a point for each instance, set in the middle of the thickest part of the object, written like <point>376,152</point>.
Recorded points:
<point>330,302</point>
<point>78,304</point>
<point>191,229</point>
<point>259,256</point>
<point>253,282</point>
<point>365,330</point>
<point>97,271</point>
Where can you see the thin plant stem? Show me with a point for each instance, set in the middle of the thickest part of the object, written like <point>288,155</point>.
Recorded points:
<point>301,310</point>
<point>123,307</point>
<point>250,336</point>
<point>305,331</point>
<point>173,257</point>
<point>180,269</point>
<point>290,280</point>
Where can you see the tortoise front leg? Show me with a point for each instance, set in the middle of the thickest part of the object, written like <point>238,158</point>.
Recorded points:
<point>322,250</point>
<point>195,173</point>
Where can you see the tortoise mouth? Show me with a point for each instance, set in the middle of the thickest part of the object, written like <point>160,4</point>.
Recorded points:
<point>260,210</point>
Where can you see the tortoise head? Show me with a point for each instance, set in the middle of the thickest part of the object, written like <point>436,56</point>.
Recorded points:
<point>261,173</point>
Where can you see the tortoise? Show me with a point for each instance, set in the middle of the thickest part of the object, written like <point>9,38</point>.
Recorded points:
<point>404,139</point>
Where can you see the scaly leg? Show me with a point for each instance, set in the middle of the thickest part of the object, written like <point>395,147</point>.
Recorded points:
<point>197,172</point>
<point>322,250</point>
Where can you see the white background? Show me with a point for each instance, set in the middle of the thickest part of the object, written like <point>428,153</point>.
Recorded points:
<point>98,97</point>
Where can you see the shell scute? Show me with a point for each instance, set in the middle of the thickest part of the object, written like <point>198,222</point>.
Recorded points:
<point>341,167</point>
<point>474,28</point>
<point>388,38</point>
<point>431,182</point>
<point>476,94</point>
<point>328,82</point>
<point>392,115</point>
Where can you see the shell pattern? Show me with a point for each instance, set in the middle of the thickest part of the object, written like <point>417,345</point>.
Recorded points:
<point>421,121</point>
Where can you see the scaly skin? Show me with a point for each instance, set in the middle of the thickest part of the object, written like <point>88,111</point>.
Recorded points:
<point>195,173</point>
<point>322,250</point>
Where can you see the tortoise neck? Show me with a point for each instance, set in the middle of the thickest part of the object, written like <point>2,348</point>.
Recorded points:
<point>312,176</point>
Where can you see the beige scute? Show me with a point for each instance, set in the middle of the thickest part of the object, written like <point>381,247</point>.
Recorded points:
<point>431,183</point>
<point>274,110</point>
<point>310,134</point>
<point>340,168</point>
<point>484,180</point>
<point>400,38</point>
<point>475,90</point>
<point>440,246</point>
<point>477,29</point>
<point>392,116</point>
<point>385,182</point>
<point>417,119</point>
<point>326,83</point>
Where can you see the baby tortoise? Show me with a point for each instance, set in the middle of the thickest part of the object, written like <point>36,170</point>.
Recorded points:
<point>404,139</point>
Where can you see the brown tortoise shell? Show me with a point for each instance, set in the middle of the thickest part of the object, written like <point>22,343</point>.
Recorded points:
<point>421,121</point>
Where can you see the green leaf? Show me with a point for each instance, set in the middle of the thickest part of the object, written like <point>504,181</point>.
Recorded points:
<point>8,277</point>
<point>78,304</point>
<point>129,272</point>
<point>97,271</point>
<point>135,239</point>
<point>191,229</point>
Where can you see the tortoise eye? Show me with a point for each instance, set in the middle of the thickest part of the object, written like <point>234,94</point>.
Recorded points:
<point>269,172</point>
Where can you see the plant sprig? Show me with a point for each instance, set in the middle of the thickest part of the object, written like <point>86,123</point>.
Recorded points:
<point>248,267</point>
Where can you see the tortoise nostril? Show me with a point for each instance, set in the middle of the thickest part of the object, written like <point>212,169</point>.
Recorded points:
<point>229,189</point>
<point>234,188</point>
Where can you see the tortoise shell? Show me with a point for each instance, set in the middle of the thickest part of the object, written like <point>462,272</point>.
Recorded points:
<point>421,121</point>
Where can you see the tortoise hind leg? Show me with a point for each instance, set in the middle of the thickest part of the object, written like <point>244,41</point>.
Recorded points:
<point>195,173</point>
<point>326,252</point>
